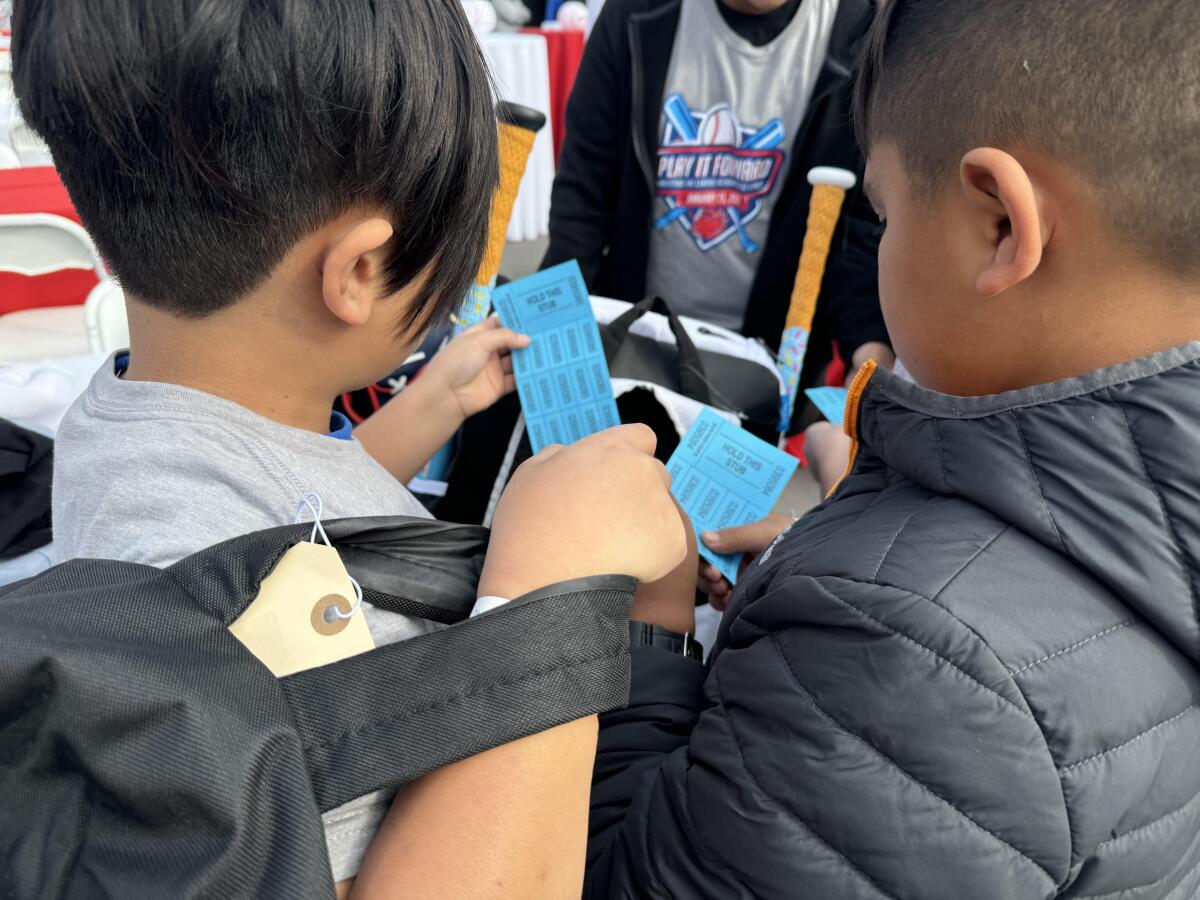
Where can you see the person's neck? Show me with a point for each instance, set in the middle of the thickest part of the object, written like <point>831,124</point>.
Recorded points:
<point>1118,315</point>
<point>752,9</point>
<point>237,355</point>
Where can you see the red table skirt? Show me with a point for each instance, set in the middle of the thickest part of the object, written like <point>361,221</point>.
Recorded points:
<point>564,50</point>
<point>39,190</point>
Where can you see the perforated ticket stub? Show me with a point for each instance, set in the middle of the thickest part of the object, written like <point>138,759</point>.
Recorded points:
<point>723,476</point>
<point>562,376</point>
<point>830,401</point>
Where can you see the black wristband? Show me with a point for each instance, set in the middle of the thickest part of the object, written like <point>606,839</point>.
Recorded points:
<point>643,634</point>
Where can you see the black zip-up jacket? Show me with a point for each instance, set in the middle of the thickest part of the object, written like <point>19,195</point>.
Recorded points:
<point>974,674</point>
<point>603,194</point>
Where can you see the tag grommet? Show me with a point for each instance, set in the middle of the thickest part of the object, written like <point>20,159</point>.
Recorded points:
<point>333,624</point>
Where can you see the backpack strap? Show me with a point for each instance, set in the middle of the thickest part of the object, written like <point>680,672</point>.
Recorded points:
<point>418,567</point>
<point>397,712</point>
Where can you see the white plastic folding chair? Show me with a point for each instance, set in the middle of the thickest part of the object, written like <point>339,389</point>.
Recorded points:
<point>40,243</point>
<point>37,244</point>
<point>104,315</point>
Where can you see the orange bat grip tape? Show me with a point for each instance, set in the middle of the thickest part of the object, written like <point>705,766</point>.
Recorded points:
<point>823,212</point>
<point>515,146</point>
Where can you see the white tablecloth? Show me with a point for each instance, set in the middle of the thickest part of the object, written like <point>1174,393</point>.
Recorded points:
<point>522,73</point>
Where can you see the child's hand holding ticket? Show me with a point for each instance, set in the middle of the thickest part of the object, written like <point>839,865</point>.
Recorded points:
<point>562,377</point>
<point>725,476</point>
<point>600,506</point>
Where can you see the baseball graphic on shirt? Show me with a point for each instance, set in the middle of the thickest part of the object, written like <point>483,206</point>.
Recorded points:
<point>713,172</point>
<point>719,127</point>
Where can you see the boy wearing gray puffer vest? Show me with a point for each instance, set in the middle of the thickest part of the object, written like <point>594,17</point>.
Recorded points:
<point>975,671</point>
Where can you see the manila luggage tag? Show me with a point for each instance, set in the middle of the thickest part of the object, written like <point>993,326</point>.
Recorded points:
<point>305,614</point>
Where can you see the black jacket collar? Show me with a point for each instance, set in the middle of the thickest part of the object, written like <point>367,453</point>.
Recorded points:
<point>1101,468</point>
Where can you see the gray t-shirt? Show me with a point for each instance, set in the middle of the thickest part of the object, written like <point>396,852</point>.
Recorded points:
<point>151,473</point>
<point>731,111</point>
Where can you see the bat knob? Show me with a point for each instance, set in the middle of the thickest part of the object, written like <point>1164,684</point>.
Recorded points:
<point>831,175</point>
<point>520,116</point>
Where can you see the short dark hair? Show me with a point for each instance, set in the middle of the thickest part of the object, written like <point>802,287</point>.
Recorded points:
<point>1110,87</point>
<point>201,139</point>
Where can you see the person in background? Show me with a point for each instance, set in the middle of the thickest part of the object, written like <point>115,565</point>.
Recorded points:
<point>975,671</point>
<point>690,132</point>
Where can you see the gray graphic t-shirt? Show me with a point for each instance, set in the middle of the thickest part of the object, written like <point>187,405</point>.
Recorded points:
<point>151,473</point>
<point>730,114</point>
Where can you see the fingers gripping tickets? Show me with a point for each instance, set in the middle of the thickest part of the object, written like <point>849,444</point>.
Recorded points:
<point>563,379</point>
<point>725,477</point>
<point>599,506</point>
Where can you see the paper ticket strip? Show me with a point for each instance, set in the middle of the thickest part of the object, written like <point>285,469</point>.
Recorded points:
<point>830,402</point>
<point>723,476</point>
<point>562,376</point>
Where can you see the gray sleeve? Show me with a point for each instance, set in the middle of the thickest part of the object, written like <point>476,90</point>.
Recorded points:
<point>349,830</point>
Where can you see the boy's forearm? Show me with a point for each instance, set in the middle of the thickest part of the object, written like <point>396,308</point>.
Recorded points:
<point>510,822</point>
<point>405,434</point>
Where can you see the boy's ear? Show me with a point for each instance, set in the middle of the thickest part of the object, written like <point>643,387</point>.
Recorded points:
<point>1000,189</point>
<point>349,270</point>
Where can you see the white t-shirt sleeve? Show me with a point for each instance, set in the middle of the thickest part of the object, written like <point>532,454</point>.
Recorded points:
<point>487,604</point>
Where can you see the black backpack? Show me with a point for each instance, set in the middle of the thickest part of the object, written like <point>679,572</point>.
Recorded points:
<point>144,752</point>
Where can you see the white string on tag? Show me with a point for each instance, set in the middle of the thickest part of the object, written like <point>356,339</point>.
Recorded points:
<point>312,500</point>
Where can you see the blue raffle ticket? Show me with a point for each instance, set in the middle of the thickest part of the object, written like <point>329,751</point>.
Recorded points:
<point>723,476</point>
<point>562,376</point>
<point>830,401</point>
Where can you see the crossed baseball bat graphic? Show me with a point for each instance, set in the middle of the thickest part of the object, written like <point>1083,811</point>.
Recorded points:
<point>766,138</point>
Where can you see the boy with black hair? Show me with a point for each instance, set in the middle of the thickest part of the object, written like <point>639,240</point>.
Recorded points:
<point>290,194</point>
<point>975,671</point>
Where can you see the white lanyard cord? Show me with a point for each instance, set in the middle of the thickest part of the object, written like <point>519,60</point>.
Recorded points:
<point>312,500</point>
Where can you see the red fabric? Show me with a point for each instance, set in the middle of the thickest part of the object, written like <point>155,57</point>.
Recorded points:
<point>835,375</point>
<point>795,446</point>
<point>39,190</point>
<point>564,50</point>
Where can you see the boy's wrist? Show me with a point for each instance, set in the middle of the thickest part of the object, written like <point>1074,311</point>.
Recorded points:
<point>435,403</point>
<point>673,609</point>
<point>501,578</point>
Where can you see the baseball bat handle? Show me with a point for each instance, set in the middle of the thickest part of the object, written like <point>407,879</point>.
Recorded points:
<point>825,207</point>
<point>670,216</point>
<point>824,210</point>
<point>518,126</point>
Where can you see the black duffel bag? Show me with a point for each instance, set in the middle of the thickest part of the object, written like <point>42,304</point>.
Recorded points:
<point>148,754</point>
<point>663,385</point>
<point>722,380</point>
